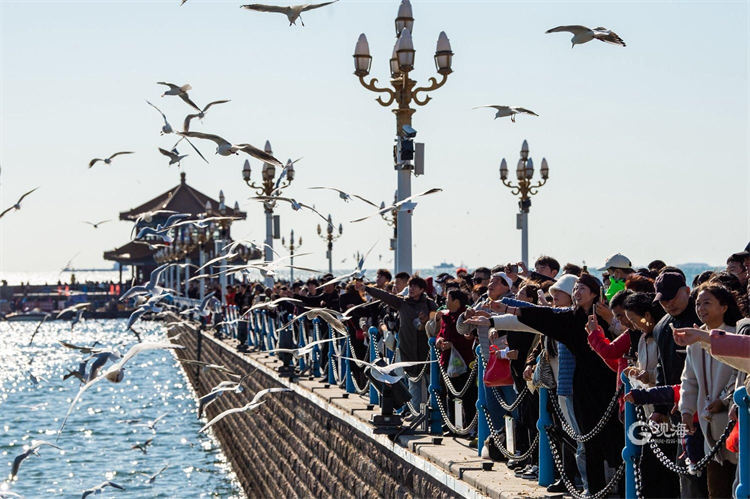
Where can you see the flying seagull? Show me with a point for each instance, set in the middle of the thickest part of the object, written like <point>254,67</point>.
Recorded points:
<point>503,111</point>
<point>35,444</point>
<point>108,161</point>
<point>254,404</point>
<point>17,206</point>
<point>384,373</point>
<point>116,372</point>
<point>72,308</point>
<point>173,155</point>
<point>226,148</point>
<point>166,128</point>
<point>292,12</point>
<point>143,447</point>
<point>302,351</point>
<point>400,204</point>
<point>44,318</point>
<point>345,196</point>
<point>99,488</point>
<point>97,224</point>
<point>582,34</point>
<point>180,92</point>
<point>296,205</point>
<point>200,114</point>
<point>153,477</point>
<point>206,367</point>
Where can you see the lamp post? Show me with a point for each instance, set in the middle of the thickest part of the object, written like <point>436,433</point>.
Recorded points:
<point>524,189</point>
<point>330,236</point>
<point>403,92</point>
<point>270,187</point>
<point>291,247</point>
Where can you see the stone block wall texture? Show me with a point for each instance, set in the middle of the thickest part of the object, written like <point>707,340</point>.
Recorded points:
<point>290,447</point>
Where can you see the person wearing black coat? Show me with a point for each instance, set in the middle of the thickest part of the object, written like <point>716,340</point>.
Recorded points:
<point>593,380</point>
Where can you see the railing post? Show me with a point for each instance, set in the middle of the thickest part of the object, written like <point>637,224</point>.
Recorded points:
<point>348,367</point>
<point>373,332</point>
<point>268,329</point>
<point>258,327</point>
<point>743,466</point>
<point>483,428</point>
<point>249,320</point>
<point>331,377</point>
<point>316,348</point>
<point>546,465</point>
<point>631,451</point>
<point>436,420</point>
<point>300,341</point>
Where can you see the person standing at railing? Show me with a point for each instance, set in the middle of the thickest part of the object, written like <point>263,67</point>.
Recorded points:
<point>414,311</point>
<point>593,380</point>
<point>448,339</point>
<point>708,386</point>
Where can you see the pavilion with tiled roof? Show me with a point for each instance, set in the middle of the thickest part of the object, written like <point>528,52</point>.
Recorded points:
<point>191,244</point>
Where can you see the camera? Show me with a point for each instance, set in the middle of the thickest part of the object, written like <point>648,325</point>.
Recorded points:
<point>409,132</point>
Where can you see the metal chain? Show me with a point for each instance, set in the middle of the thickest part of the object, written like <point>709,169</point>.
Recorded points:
<point>421,373</point>
<point>691,468</point>
<point>637,476</point>
<point>449,385</point>
<point>596,429</point>
<point>447,421</point>
<point>495,434</point>
<point>411,408</point>
<point>509,407</point>
<point>568,485</point>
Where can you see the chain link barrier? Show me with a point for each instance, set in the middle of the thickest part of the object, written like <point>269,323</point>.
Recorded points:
<point>447,421</point>
<point>449,385</point>
<point>566,481</point>
<point>509,407</point>
<point>421,373</point>
<point>495,435</point>
<point>596,429</point>
<point>691,468</point>
<point>360,391</point>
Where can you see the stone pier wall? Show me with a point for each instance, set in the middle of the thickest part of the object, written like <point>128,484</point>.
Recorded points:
<point>292,447</point>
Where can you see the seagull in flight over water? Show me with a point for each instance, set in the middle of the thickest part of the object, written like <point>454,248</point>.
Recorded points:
<point>582,34</point>
<point>99,488</point>
<point>108,161</point>
<point>34,449</point>
<point>292,12</point>
<point>254,404</point>
<point>503,111</point>
<point>17,206</point>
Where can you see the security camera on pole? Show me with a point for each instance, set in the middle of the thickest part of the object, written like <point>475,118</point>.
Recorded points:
<point>403,92</point>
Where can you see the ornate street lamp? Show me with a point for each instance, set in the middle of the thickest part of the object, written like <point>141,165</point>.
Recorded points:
<point>330,236</point>
<point>269,186</point>
<point>403,92</point>
<point>524,189</point>
<point>291,247</point>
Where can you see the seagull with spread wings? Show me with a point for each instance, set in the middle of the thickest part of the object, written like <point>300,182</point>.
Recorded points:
<point>97,224</point>
<point>99,488</point>
<point>108,161</point>
<point>17,206</point>
<point>33,449</point>
<point>181,92</point>
<point>385,374</point>
<point>503,111</point>
<point>200,114</point>
<point>173,155</point>
<point>292,12</point>
<point>254,404</point>
<point>399,205</point>
<point>582,34</point>
<point>166,128</point>
<point>226,148</point>
<point>296,205</point>
<point>116,373</point>
<point>345,196</point>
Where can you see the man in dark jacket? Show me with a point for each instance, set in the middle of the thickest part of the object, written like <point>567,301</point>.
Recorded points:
<point>674,296</point>
<point>414,311</point>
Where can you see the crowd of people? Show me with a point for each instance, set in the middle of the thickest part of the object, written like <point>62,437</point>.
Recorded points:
<point>680,345</point>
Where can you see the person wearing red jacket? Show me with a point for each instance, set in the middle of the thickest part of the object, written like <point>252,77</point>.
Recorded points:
<point>447,338</point>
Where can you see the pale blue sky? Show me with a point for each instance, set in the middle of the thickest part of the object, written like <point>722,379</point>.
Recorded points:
<point>647,144</point>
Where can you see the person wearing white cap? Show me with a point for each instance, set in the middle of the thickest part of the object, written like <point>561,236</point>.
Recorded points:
<point>619,268</point>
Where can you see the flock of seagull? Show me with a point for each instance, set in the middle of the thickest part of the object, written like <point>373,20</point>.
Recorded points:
<point>108,364</point>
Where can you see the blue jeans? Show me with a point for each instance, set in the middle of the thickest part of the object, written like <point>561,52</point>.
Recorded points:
<point>494,408</point>
<point>566,404</point>
<point>418,391</point>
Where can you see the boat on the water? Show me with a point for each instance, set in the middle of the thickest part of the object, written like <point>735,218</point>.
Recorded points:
<point>444,265</point>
